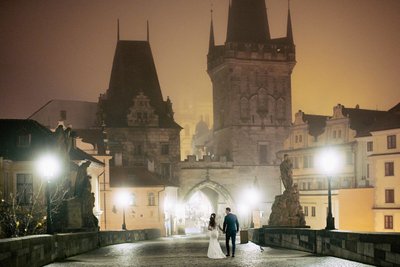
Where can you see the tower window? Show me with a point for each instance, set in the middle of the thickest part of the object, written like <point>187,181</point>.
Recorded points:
<point>63,115</point>
<point>263,154</point>
<point>164,149</point>
<point>24,140</point>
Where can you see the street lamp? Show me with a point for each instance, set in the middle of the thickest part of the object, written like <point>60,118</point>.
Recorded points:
<point>329,162</point>
<point>124,200</point>
<point>49,167</point>
<point>252,197</point>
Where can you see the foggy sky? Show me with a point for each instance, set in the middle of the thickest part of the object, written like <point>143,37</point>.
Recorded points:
<point>348,51</point>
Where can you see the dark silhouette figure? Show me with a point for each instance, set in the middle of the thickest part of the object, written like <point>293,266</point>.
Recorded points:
<point>230,228</point>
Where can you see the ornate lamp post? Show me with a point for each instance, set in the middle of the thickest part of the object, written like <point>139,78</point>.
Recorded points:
<point>329,163</point>
<point>49,167</point>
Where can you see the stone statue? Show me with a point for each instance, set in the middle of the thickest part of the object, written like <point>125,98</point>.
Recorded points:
<point>82,182</point>
<point>286,210</point>
<point>286,172</point>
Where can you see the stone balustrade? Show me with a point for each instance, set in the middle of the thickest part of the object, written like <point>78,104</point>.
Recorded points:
<point>380,249</point>
<point>40,250</point>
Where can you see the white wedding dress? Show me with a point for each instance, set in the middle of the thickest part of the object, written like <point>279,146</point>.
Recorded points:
<point>214,249</point>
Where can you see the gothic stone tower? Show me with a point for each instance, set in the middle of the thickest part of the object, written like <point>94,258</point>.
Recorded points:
<point>251,77</point>
<point>142,133</point>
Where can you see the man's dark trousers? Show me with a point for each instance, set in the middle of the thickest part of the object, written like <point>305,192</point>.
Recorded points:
<point>230,235</point>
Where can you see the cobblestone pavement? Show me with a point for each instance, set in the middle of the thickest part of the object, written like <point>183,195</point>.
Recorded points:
<point>192,251</point>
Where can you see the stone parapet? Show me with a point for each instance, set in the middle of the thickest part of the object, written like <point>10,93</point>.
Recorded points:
<point>40,250</point>
<point>380,249</point>
<point>207,162</point>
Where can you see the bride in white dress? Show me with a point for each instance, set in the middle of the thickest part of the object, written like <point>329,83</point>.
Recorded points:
<point>214,249</point>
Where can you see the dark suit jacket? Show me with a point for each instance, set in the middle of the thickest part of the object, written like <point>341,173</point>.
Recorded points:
<point>231,224</point>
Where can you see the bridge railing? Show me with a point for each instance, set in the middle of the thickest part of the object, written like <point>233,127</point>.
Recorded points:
<point>40,250</point>
<point>381,249</point>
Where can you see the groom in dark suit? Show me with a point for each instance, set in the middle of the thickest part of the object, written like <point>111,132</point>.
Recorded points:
<point>231,226</point>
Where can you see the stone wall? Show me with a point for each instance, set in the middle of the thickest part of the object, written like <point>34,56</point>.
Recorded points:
<point>380,249</point>
<point>43,249</point>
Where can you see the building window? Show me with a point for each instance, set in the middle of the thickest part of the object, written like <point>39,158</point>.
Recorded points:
<point>391,141</point>
<point>166,170</point>
<point>24,188</point>
<point>300,138</point>
<point>349,158</point>
<point>152,199</point>
<point>389,196</point>
<point>118,159</point>
<point>263,154</point>
<point>367,170</point>
<point>370,146</point>
<point>389,168</point>
<point>305,211</point>
<point>24,140</point>
<point>340,134</point>
<point>388,222</point>
<point>296,139</point>
<point>132,199</point>
<point>138,149</point>
<point>334,134</point>
<point>295,163</point>
<point>313,211</point>
<point>164,149</point>
<point>308,162</point>
<point>63,115</point>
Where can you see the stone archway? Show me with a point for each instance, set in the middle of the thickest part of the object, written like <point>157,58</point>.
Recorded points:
<point>202,199</point>
<point>212,185</point>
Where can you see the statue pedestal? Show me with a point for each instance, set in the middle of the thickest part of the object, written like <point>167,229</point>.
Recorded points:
<point>74,214</point>
<point>286,210</point>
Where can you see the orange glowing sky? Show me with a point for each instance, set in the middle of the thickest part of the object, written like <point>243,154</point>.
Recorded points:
<point>348,51</point>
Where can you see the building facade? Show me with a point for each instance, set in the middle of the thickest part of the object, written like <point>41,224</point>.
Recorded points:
<point>22,144</point>
<point>348,131</point>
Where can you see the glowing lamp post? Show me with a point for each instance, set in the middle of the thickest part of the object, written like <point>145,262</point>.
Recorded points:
<point>49,167</point>
<point>124,200</point>
<point>329,162</point>
<point>252,198</point>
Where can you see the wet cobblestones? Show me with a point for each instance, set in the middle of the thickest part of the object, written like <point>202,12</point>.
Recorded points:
<point>192,251</point>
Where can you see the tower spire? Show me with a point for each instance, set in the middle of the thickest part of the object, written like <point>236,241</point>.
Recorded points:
<point>289,31</point>
<point>211,43</point>
<point>247,22</point>
<point>117,29</point>
<point>148,32</point>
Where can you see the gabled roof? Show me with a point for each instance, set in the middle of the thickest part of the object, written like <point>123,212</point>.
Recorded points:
<point>316,123</point>
<point>390,121</point>
<point>135,177</point>
<point>361,120</point>
<point>133,72</point>
<point>41,139</point>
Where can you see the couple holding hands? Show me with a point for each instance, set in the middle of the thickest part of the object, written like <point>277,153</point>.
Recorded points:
<point>230,228</point>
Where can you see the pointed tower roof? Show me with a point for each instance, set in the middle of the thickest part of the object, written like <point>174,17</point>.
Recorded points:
<point>211,43</point>
<point>289,31</point>
<point>133,72</point>
<point>248,22</point>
